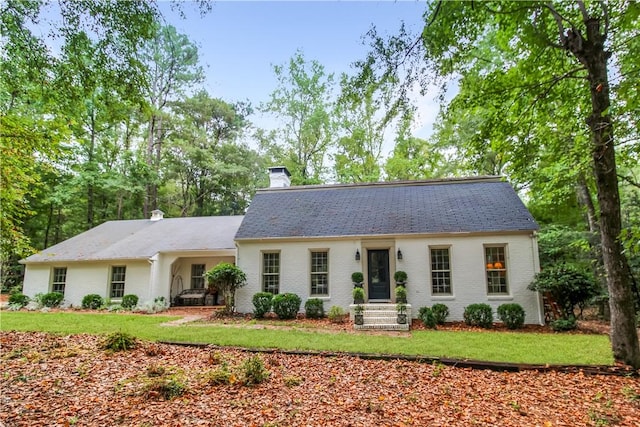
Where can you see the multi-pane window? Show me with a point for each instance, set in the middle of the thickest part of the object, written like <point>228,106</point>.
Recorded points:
<point>271,272</point>
<point>197,276</point>
<point>319,273</point>
<point>440,271</point>
<point>59,279</point>
<point>118,275</point>
<point>496,267</point>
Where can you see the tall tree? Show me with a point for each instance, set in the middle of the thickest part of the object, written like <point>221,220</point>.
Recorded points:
<point>303,102</point>
<point>172,65</point>
<point>562,40</point>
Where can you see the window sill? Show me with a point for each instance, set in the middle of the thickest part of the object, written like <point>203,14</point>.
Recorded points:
<point>321,297</point>
<point>500,297</point>
<point>443,297</point>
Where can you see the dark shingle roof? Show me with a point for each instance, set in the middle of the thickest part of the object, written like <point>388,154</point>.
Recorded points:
<point>483,204</point>
<point>141,239</point>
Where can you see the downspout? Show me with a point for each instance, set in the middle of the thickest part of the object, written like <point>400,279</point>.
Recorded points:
<point>536,269</point>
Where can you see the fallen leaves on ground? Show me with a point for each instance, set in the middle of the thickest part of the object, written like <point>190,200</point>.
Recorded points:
<point>68,380</point>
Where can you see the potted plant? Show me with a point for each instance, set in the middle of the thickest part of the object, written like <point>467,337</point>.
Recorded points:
<point>358,295</point>
<point>402,313</point>
<point>358,317</point>
<point>400,277</point>
<point>357,278</point>
<point>401,294</point>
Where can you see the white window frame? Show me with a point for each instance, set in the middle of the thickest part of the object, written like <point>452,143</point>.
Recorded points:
<point>267,276</point>
<point>494,276</point>
<point>318,275</point>
<point>447,271</point>
<point>120,283</point>
<point>56,279</point>
<point>197,278</point>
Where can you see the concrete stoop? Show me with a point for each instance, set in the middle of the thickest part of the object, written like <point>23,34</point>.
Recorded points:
<point>382,317</point>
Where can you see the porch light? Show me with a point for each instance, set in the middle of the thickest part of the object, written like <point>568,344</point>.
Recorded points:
<point>357,255</point>
<point>399,254</point>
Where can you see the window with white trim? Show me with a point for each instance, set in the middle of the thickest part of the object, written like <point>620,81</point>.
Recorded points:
<point>59,279</point>
<point>320,273</point>
<point>440,271</point>
<point>118,275</point>
<point>271,272</point>
<point>496,268</point>
<point>197,276</point>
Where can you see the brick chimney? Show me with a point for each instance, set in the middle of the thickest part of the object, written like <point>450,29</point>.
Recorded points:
<point>279,177</point>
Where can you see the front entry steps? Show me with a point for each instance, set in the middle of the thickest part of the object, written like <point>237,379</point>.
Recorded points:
<point>381,317</point>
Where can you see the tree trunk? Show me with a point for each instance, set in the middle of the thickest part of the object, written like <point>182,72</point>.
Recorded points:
<point>591,53</point>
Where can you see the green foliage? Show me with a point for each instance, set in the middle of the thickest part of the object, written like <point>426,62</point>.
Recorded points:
<point>400,276</point>
<point>336,314</point>
<point>427,316</point>
<point>165,386</point>
<point>50,300</point>
<point>357,277</point>
<point>226,277</point>
<point>287,305</point>
<point>19,298</point>
<point>478,315</point>
<point>440,312</point>
<point>562,244</point>
<point>358,295</point>
<point>253,371</point>
<point>129,301</point>
<point>314,308</point>
<point>567,285</point>
<point>561,325</point>
<point>512,315</point>
<point>401,294</point>
<point>119,341</point>
<point>92,302</point>
<point>262,302</point>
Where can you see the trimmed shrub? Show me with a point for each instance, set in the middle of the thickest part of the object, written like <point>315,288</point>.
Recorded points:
<point>478,315</point>
<point>400,276</point>
<point>512,315</point>
<point>129,301</point>
<point>358,295</point>
<point>357,277</point>
<point>428,318</point>
<point>92,302</point>
<point>51,299</point>
<point>336,314</point>
<point>287,305</point>
<point>562,325</point>
<point>18,298</point>
<point>440,312</point>
<point>314,309</point>
<point>262,302</point>
<point>401,294</point>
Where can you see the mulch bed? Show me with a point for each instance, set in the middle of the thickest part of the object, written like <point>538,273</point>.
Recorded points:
<point>47,379</point>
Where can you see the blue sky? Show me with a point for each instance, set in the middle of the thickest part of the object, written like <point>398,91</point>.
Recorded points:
<point>240,41</point>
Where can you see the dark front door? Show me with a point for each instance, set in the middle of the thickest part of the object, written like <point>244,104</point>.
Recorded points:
<point>378,269</point>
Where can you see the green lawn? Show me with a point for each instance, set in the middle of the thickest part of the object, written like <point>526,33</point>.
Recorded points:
<point>488,346</point>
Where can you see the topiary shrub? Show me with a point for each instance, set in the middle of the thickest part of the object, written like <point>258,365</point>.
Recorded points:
<point>440,312</point>
<point>357,277</point>
<point>262,302</point>
<point>92,302</point>
<point>314,309</point>
<point>562,325</point>
<point>428,318</point>
<point>129,301</point>
<point>478,315</point>
<point>286,306</point>
<point>336,314</point>
<point>51,299</point>
<point>18,299</point>
<point>401,294</point>
<point>512,315</point>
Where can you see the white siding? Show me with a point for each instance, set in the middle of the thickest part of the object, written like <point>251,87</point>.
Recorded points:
<point>467,270</point>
